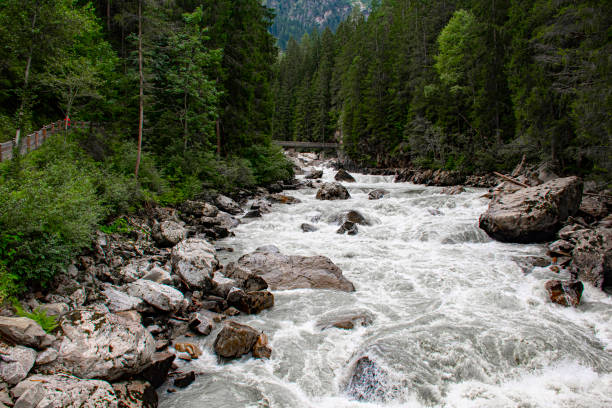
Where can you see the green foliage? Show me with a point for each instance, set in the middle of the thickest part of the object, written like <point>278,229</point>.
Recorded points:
<point>269,164</point>
<point>48,323</point>
<point>119,226</point>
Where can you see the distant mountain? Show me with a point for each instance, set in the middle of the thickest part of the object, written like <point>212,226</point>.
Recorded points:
<point>294,18</point>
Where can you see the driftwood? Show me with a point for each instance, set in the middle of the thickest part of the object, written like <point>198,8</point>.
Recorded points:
<point>510,179</point>
<point>518,183</point>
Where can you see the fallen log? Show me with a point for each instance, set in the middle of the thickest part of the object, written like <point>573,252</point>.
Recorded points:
<point>510,179</point>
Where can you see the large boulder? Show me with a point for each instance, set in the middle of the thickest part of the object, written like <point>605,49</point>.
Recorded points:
<point>194,261</point>
<point>168,233</point>
<point>592,256</point>
<point>63,391</point>
<point>22,330</point>
<point>156,372</point>
<point>198,209</point>
<point>162,297</point>
<point>333,191</point>
<point>102,345</point>
<point>532,214</point>
<point>235,340</point>
<point>228,205</point>
<point>283,272</point>
<point>343,175</point>
<point>15,363</point>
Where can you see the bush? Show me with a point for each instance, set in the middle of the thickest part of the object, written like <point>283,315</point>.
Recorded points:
<point>269,164</point>
<point>49,210</point>
<point>48,323</point>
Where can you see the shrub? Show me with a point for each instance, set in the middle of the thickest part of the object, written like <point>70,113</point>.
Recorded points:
<point>269,164</point>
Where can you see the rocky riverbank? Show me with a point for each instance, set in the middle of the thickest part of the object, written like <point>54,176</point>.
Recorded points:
<point>139,300</point>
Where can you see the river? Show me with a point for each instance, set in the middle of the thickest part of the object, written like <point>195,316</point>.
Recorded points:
<point>456,322</point>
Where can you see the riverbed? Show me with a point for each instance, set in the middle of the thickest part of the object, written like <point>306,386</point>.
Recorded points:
<point>456,318</point>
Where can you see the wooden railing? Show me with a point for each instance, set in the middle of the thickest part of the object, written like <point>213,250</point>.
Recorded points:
<point>308,145</point>
<point>34,140</point>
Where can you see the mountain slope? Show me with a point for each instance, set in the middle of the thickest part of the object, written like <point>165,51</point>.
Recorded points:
<point>294,18</point>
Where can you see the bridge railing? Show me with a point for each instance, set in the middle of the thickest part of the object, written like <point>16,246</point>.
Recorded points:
<point>311,145</point>
<point>35,140</point>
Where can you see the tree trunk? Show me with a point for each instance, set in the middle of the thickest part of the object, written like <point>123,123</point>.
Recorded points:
<point>185,129</point>
<point>108,15</point>
<point>25,85</point>
<point>141,91</point>
<point>218,139</point>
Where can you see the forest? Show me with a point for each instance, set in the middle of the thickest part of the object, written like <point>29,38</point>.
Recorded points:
<point>464,85</point>
<point>181,91</point>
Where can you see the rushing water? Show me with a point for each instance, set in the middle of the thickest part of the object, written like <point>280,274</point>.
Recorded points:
<point>456,320</point>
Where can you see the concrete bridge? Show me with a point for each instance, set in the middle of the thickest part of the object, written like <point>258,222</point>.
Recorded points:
<point>307,145</point>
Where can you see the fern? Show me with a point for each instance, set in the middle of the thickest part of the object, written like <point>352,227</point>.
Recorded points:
<point>40,316</point>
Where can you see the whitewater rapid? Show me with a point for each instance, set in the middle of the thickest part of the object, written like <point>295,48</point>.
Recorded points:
<point>456,321</point>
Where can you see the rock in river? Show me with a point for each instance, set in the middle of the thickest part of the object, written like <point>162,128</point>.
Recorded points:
<point>283,272</point>
<point>368,381</point>
<point>235,339</point>
<point>343,175</point>
<point>333,191</point>
<point>532,214</point>
<point>592,256</point>
<point>162,297</point>
<point>566,293</point>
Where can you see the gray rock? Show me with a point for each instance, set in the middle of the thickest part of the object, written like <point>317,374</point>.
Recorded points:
<point>168,233</point>
<point>314,174</point>
<point>593,207</point>
<point>222,285</point>
<point>250,302</point>
<point>592,256</point>
<point>349,228</point>
<point>225,220</point>
<point>55,309</point>
<point>63,391</point>
<point>47,356</point>
<point>343,175</point>
<point>308,228</point>
<point>532,214</point>
<point>194,260</point>
<point>283,272</point>
<point>228,205</point>
<point>200,323</point>
<point>133,271</point>
<point>368,381</point>
<point>106,346</point>
<point>333,191</point>
<point>235,340</point>
<point>135,394</point>
<point>159,275</point>
<point>15,363</point>
<point>118,301</point>
<point>377,194</point>
<point>22,330</point>
<point>199,209</point>
<point>162,297</point>
<point>244,278</point>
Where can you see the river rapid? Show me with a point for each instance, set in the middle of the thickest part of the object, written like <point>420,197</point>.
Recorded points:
<point>456,321</point>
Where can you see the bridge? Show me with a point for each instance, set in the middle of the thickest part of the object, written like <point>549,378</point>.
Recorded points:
<point>307,145</point>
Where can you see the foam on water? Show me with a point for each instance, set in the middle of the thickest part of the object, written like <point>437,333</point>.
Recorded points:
<point>456,322</point>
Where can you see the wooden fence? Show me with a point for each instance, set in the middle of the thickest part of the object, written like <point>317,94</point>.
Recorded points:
<point>35,140</point>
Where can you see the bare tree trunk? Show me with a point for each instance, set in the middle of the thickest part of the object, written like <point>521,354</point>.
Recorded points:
<point>218,139</point>
<point>185,129</point>
<point>141,91</point>
<point>25,84</point>
<point>108,15</point>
